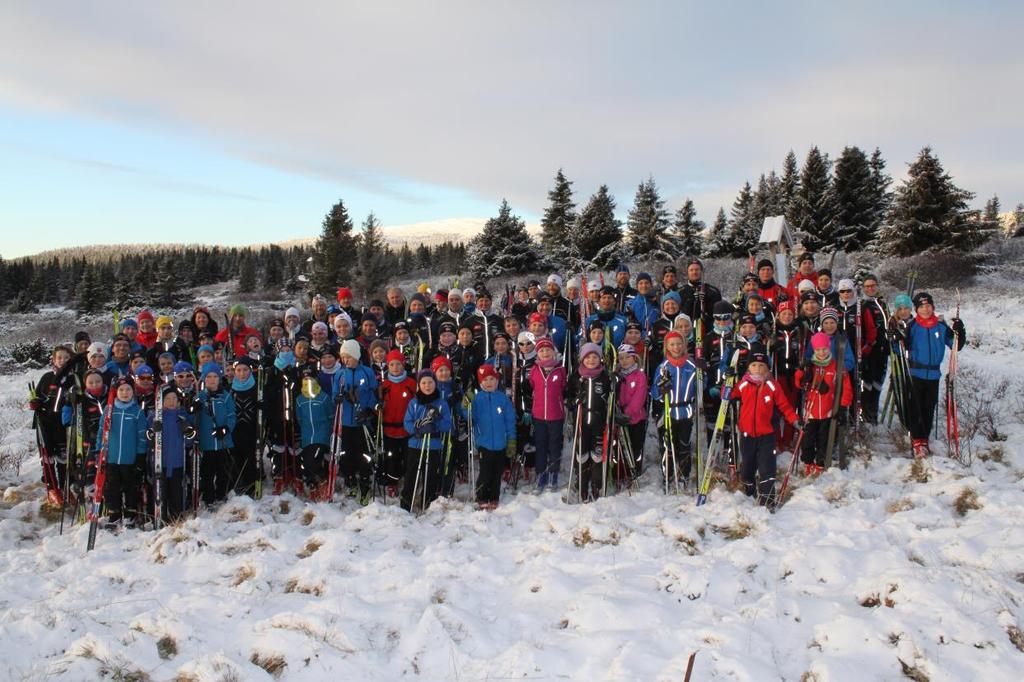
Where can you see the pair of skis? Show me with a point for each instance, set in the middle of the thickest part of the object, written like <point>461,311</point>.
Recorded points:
<point>715,447</point>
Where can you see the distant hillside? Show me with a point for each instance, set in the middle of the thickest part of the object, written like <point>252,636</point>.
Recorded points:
<point>428,233</point>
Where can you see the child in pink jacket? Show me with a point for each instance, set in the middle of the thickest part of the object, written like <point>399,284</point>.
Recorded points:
<point>548,380</point>
<point>632,402</point>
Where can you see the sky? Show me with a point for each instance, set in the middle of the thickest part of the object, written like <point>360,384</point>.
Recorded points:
<point>236,123</point>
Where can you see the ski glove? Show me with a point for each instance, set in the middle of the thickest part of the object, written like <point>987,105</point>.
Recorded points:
<point>65,415</point>
<point>958,326</point>
<point>805,380</point>
<point>150,434</point>
<point>510,449</point>
<point>364,415</point>
<point>842,416</point>
<point>189,432</point>
<point>220,432</point>
<point>730,371</point>
<point>715,392</point>
<point>158,425</point>
<point>622,419</point>
<point>821,388</point>
<point>35,404</point>
<point>527,419</point>
<point>799,424</point>
<point>339,399</point>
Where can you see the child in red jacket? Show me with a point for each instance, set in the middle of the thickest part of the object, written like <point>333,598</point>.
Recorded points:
<point>396,391</point>
<point>820,380</point>
<point>759,396</point>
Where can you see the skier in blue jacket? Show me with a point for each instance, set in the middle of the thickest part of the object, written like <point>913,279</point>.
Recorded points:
<point>314,412</point>
<point>126,441</point>
<point>494,430</point>
<point>355,390</point>
<point>927,336</point>
<point>177,435</point>
<point>215,411</point>
<point>426,418</point>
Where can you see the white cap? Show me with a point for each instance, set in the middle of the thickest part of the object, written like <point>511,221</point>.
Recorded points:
<point>342,316</point>
<point>320,326</point>
<point>97,348</point>
<point>685,317</point>
<point>555,279</point>
<point>469,290</point>
<point>574,283</point>
<point>847,284</point>
<point>805,285</point>
<point>351,348</point>
<point>593,285</point>
<point>526,336</point>
<point>292,312</point>
<point>455,293</point>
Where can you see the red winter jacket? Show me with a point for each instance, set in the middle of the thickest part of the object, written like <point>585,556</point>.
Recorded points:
<point>794,284</point>
<point>396,397</point>
<point>771,292</point>
<point>548,393</point>
<point>821,403</point>
<point>758,403</point>
<point>237,339</point>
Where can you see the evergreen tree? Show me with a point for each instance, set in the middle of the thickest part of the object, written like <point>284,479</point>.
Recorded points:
<point>406,259</point>
<point>168,285</point>
<point>91,292</point>
<point>648,225</point>
<point>689,232</point>
<point>719,242</point>
<point>597,236</point>
<point>372,258</point>
<point>813,210</point>
<point>744,231</point>
<point>991,214</point>
<point>333,252</point>
<point>880,193</point>
<point>928,211</point>
<point>292,277</point>
<point>247,274</point>
<point>557,223</point>
<point>1018,221</point>
<point>790,187</point>
<point>503,247</point>
<point>853,225</point>
<point>424,257</point>
<point>273,268</point>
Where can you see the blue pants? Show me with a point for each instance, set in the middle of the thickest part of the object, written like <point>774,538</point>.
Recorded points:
<point>547,439</point>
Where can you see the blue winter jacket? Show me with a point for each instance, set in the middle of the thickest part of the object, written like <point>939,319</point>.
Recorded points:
<point>364,383</point>
<point>173,445</point>
<point>494,419</point>
<point>416,410</point>
<point>682,388</point>
<point>644,311</point>
<point>926,348</point>
<point>316,418</point>
<point>127,437</point>
<point>614,326</point>
<point>121,369</point>
<point>222,405</point>
<point>558,328</point>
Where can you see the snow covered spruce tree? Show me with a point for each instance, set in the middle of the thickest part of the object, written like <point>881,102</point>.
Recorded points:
<point>812,213</point>
<point>689,232</point>
<point>559,218</point>
<point>597,235</point>
<point>247,273</point>
<point>503,247</point>
<point>719,242</point>
<point>854,224</point>
<point>372,257</point>
<point>743,228</point>
<point>648,225</point>
<point>929,211</point>
<point>790,186</point>
<point>92,293</point>
<point>1018,221</point>
<point>332,256</point>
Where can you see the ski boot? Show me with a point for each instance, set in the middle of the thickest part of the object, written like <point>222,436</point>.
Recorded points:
<point>54,498</point>
<point>813,470</point>
<point>921,449</point>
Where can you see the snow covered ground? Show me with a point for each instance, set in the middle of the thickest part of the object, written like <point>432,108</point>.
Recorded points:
<point>867,574</point>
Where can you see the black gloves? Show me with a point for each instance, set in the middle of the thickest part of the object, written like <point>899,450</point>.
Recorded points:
<point>220,432</point>
<point>189,432</point>
<point>158,425</point>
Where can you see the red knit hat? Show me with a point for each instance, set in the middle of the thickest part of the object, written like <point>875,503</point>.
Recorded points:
<point>440,361</point>
<point>537,317</point>
<point>787,305</point>
<point>144,315</point>
<point>344,292</point>
<point>485,371</point>
<point>672,335</point>
<point>395,355</point>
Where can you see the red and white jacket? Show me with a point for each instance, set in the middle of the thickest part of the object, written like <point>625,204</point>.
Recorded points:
<point>820,404</point>
<point>758,403</point>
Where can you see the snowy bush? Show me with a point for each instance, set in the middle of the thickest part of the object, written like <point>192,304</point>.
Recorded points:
<point>930,270</point>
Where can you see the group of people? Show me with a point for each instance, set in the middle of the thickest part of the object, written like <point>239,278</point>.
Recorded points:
<point>408,396</point>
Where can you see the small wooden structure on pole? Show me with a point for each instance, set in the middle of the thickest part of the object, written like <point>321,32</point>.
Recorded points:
<point>776,234</point>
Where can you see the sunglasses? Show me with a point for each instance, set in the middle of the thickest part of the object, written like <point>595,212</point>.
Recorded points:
<point>523,344</point>
<point>846,291</point>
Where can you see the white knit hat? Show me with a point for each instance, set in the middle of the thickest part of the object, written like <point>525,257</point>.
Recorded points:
<point>351,348</point>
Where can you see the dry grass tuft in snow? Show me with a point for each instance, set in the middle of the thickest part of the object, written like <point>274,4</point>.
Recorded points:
<point>307,517</point>
<point>918,471</point>
<point>274,664</point>
<point>244,572</point>
<point>1016,637</point>
<point>312,545</point>
<point>166,647</point>
<point>901,505</point>
<point>966,501</point>
<point>913,672</point>
<point>737,530</point>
